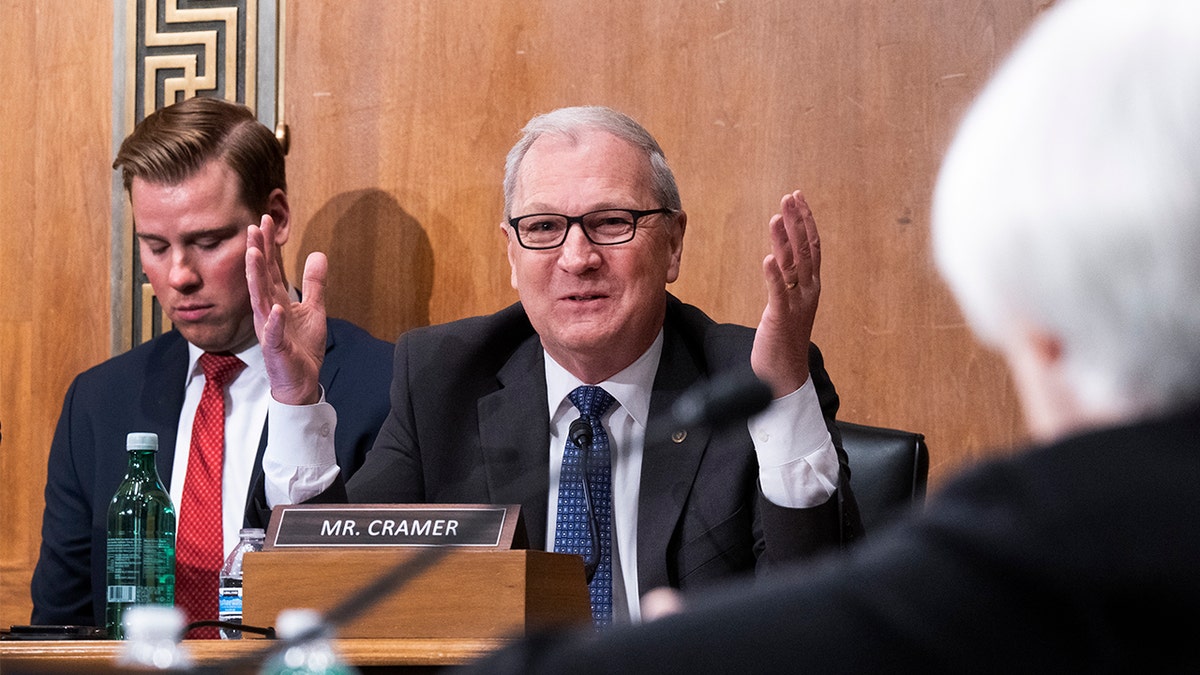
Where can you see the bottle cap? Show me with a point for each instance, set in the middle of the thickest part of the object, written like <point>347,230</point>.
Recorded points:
<point>293,622</point>
<point>152,634</point>
<point>139,440</point>
<point>153,622</point>
<point>252,533</point>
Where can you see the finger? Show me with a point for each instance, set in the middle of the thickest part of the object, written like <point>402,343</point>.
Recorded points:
<point>793,224</point>
<point>274,265</point>
<point>267,225</point>
<point>811,236</point>
<point>776,284</point>
<point>781,248</point>
<point>273,329</point>
<point>316,270</point>
<point>256,278</point>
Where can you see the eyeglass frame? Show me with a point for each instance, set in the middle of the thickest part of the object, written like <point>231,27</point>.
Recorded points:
<point>578,220</point>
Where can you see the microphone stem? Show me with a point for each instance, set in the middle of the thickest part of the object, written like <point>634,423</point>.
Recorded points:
<point>592,561</point>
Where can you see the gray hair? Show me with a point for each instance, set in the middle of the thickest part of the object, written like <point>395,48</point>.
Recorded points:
<point>1070,198</point>
<point>569,123</point>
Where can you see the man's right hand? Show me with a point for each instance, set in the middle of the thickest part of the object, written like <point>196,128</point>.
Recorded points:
<point>292,334</point>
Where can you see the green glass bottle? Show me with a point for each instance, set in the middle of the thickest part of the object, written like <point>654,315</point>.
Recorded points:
<point>141,537</point>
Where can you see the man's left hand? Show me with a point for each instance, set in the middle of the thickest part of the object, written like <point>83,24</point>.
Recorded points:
<point>793,276</point>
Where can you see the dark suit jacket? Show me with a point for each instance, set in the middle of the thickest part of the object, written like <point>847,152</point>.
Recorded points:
<point>142,390</point>
<point>469,424</point>
<point>1080,557</point>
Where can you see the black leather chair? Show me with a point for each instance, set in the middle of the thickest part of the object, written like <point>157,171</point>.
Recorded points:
<point>888,470</point>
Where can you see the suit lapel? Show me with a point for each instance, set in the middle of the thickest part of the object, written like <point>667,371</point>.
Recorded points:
<point>668,467</point>
<point>513,428</point>
<point>329,371</point>
<point>162,397</point>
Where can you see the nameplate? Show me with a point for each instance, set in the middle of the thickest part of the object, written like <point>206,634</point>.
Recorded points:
<point>394,525</point>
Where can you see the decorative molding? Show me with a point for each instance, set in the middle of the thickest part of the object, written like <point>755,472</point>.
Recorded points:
<point>187,51</point>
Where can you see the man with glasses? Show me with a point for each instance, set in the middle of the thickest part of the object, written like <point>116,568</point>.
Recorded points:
<point>1066,221</point>
<point>483,408</point>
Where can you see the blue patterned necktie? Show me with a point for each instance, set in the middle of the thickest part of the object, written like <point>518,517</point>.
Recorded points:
<point>571,531</point>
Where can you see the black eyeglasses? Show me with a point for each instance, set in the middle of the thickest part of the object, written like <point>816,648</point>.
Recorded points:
<point>606,227</point>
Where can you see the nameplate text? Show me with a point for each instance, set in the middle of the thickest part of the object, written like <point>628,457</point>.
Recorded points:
<point>384,525</point>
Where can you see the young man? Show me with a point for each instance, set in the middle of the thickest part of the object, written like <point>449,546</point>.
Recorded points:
<point>198,174</point>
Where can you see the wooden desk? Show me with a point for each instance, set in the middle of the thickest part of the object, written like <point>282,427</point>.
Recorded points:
<point>369,655</point>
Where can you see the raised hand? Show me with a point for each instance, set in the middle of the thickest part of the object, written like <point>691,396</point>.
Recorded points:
<point>292,334</point>
<point>792,272</point>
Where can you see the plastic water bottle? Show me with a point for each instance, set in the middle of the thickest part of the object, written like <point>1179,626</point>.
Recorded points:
<point>141,537</point>
<point>312,657</point>
<point>230,601</point>
<point>152,634</point>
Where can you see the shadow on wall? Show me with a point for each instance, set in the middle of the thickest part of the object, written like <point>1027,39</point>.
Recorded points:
<point>380,262</point>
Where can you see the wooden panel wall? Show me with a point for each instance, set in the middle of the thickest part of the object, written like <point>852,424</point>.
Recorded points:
<point>55,197</point>
<point>401,114</point>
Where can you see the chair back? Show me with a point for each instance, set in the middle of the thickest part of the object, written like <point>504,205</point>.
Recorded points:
<point>888,470</point>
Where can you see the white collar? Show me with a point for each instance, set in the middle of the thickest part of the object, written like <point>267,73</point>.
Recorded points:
<point>631,387</point>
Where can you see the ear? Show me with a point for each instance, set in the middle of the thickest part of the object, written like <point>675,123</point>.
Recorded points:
<point>1035,359</point>
<point>512,249</point>
<point>281,213</point>
<point>675,246</point>
<point>1045,348</point>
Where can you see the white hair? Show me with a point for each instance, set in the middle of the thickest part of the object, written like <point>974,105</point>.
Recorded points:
<point>1070,199</point>
<point>570,123</point>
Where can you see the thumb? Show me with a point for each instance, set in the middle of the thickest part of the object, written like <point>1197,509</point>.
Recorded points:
<point>273,329</point>
<point>316,269</point>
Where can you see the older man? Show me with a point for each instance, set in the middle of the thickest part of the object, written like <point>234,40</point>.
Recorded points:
<point>1067,222</point>
<point>481,408</point>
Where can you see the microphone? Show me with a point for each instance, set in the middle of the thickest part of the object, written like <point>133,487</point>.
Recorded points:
<point>580,433</point>
<point>727,397</point>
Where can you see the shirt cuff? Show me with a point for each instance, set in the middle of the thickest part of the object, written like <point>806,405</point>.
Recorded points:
<point>299,462</point>
<point>797,461</point>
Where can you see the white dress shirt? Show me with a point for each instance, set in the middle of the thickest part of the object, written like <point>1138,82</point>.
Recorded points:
<point>246,402</point>
<point>798,465</point>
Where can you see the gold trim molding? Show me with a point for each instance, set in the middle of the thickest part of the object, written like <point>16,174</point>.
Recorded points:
<point>176,50</point>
